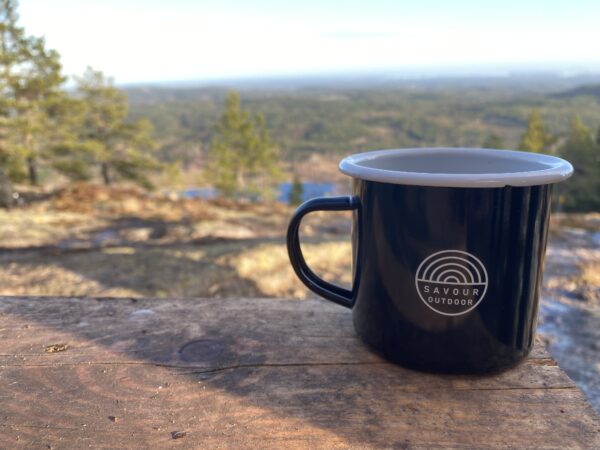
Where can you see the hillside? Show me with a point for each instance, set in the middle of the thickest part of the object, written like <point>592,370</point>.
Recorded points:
<point>335,121</point>
<point>588,90</point>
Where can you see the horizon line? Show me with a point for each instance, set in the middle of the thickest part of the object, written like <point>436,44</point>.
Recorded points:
<point>385,75</point>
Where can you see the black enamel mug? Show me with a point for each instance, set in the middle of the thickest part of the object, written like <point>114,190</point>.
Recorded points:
<point>448,248</point>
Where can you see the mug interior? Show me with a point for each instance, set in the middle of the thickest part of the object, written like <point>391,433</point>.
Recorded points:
<point>457,167</point>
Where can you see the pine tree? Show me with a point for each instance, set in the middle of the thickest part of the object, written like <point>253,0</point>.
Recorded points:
<point>242,155</point>
<point>120,149</point>
<point>536,138</point>
<point>68,156</point>
<point>493,141</point>
<point>31,87</point>
<point>582,191</point>
<point>296,192</point>
<point>11,159</point>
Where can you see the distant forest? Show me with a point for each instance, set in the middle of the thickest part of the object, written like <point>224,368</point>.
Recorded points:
<point>339,121</point>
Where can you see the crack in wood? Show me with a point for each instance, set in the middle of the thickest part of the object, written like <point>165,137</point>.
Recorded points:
<point>87,429</point>
<point>544,388</point>
<point>284,365</point>
<point>43,427</point>
<point>190,366</point>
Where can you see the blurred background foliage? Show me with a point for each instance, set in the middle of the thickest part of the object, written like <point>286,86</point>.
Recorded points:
<point>244,143</point>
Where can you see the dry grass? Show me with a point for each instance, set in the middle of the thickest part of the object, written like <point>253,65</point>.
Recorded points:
<point>32,227</point>
<point>92,241</point>
<point>589,221</point>
<point>269,268</point>
<point>589,282</point>
<point>590,274</point>
<point>228,269</point>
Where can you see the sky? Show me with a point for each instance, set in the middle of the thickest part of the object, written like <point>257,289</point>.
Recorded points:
<point>180,40</point>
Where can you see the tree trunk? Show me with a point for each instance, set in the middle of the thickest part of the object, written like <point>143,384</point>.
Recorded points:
<point>106,174</point>
<point>241,180</point>
<point>33,172</point>
<point>6,192</point>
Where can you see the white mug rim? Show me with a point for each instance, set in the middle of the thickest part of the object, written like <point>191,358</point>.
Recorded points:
<point>537,168</point>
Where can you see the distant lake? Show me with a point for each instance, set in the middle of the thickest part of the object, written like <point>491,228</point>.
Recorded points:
<point>207,192</point>
<point>311,190</point>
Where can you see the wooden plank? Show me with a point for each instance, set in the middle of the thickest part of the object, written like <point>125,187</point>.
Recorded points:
<point>254,373</point>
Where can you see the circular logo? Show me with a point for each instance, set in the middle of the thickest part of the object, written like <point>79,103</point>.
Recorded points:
<point>451,282</point>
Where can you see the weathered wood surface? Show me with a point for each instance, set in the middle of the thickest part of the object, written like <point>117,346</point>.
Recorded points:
<point>254,373</point>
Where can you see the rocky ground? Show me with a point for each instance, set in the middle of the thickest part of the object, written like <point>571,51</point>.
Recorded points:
<point>570,314</point>
<point>91,241</point>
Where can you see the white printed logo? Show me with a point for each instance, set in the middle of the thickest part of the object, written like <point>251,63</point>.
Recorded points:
<point>451,282</point>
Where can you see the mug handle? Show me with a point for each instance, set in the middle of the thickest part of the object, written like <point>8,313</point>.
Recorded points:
<point>327,290</point>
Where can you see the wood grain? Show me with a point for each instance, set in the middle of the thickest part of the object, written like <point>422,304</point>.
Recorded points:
<point>254,373</point>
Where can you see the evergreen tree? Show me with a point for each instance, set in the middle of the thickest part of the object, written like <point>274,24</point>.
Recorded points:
<point>296,192</point>
<point>31,87</point>
<point>582,191</point>
<point>493,141</point>
<point>536,138</point>
<point>38,98</point>
<point>11,161</point>
<point>68,156</point>
<point>242,155</point>
<point>120,149</point>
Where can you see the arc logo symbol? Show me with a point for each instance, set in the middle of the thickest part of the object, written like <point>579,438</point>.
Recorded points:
<point>451,282</point>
